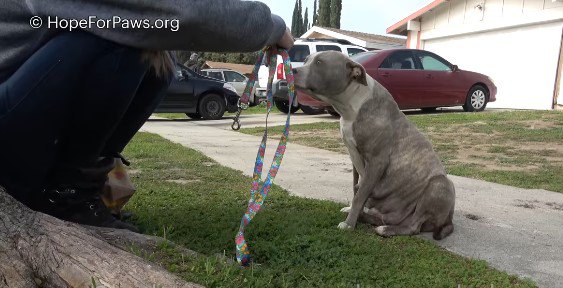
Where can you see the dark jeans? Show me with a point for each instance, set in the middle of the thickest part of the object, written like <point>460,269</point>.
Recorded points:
<point>76,99</point>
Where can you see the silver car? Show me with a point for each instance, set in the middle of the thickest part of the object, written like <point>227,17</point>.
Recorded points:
<point>238,80</point>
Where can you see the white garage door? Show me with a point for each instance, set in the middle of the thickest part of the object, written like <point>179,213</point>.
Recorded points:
<point>522,61</point>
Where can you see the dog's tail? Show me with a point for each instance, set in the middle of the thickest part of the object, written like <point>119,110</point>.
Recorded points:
<point>443,231</point>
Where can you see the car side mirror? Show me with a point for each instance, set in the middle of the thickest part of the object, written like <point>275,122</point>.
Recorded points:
<point>185,74</point>
<point>455,68</point>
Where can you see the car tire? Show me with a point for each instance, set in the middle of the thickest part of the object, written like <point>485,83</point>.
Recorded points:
<point>212,107</point>
<point>428,109</point>
<point>193,115</point>
<point>311,110</point>
<point>477,99</point>
<point>332,112</point>
<point>283,106</point>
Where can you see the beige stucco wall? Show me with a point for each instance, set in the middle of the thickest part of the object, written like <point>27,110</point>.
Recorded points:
<point>464,16</point>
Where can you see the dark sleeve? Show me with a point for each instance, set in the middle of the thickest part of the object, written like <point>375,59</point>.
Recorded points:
<point>202,25</point>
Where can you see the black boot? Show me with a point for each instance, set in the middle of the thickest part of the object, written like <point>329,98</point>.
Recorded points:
<point>78,199</point>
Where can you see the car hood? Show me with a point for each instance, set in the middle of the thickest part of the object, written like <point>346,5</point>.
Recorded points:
<point>475,74</point>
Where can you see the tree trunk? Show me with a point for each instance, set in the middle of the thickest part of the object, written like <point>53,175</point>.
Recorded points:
<point>37,250</point>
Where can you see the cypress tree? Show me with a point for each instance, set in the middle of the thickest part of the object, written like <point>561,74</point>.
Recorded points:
<point>315,13</point>
<point>324,13</point>
<point>299,20</point>
<point>294,18</point>
<point>306,21</point>
<point>335,12</point>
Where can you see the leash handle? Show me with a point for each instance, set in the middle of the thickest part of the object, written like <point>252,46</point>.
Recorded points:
<point>258,193</point>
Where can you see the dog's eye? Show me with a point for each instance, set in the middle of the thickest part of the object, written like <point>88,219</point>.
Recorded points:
<point>319,61</point>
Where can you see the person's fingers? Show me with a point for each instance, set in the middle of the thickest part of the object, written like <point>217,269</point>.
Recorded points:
<point>286,41</point>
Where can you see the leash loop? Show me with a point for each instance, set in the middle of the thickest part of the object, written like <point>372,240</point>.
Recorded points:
<point>236,122</point>
<point>259,190</point>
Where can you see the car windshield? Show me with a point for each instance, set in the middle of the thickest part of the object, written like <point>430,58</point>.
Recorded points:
<point>180,67</point>
<point>298,53</point>
<point>354,51</point>
<point>362,57</point>
<point>321,48</point>
<point>192,73</point>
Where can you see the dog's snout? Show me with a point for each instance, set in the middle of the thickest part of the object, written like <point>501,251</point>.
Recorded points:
<point>294,70</point>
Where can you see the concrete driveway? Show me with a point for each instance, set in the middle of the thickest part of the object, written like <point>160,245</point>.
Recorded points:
<point>516,230</point>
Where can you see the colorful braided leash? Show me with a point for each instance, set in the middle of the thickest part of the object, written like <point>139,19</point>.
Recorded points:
<point>259,193</point>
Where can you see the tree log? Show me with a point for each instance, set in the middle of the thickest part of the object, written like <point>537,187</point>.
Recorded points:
<point>37,250</point>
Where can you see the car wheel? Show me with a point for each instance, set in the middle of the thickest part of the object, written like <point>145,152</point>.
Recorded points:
<point>477,99</point>
<point>283,106</point>
<point>333,112</point>
<point>212,107</point>
<point>311,110</point>
<point>193,115</point>
<point>428,109</point>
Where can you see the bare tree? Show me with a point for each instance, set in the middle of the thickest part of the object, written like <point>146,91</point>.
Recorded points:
<point>37,250</point>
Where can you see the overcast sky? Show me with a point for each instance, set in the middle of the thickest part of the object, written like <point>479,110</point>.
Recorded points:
<point>369,16</point>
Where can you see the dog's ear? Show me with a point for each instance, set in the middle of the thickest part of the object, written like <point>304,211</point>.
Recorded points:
<point>357,72</point>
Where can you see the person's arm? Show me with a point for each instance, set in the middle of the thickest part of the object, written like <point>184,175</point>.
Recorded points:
<point>203,25</point>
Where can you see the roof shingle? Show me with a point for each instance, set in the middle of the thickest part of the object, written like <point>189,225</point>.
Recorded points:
<point>368,37</point>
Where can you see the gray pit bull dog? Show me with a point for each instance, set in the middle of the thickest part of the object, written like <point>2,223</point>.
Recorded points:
<point>403,188</point>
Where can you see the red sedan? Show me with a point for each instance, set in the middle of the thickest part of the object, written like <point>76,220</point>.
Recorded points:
<point>422,79</point>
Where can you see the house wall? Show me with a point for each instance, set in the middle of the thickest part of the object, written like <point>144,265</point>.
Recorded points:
<point>522,61</point>
<point>516,42</point>
<point>463,16</point>
<point>559,83</point>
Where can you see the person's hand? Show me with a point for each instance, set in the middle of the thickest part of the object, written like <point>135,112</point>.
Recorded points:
<point>286,41</point>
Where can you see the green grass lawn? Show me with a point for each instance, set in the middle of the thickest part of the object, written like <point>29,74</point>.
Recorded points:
<point>518,148</point>
<point>193,201</point>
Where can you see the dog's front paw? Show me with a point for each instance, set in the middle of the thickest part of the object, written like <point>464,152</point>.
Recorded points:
<point>382,231</point>
<point>346,209</point>
<point>344,226</point>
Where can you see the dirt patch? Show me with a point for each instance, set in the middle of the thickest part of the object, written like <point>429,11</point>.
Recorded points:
<point>526,205</point>
<point>134,171</point>
<point>533,204</point>
<point>183,181</point>
<point>537,124</point>
<point>472,216</point>
<point>464,143</point>
<point>555,206</point>
<point>331,134</point>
